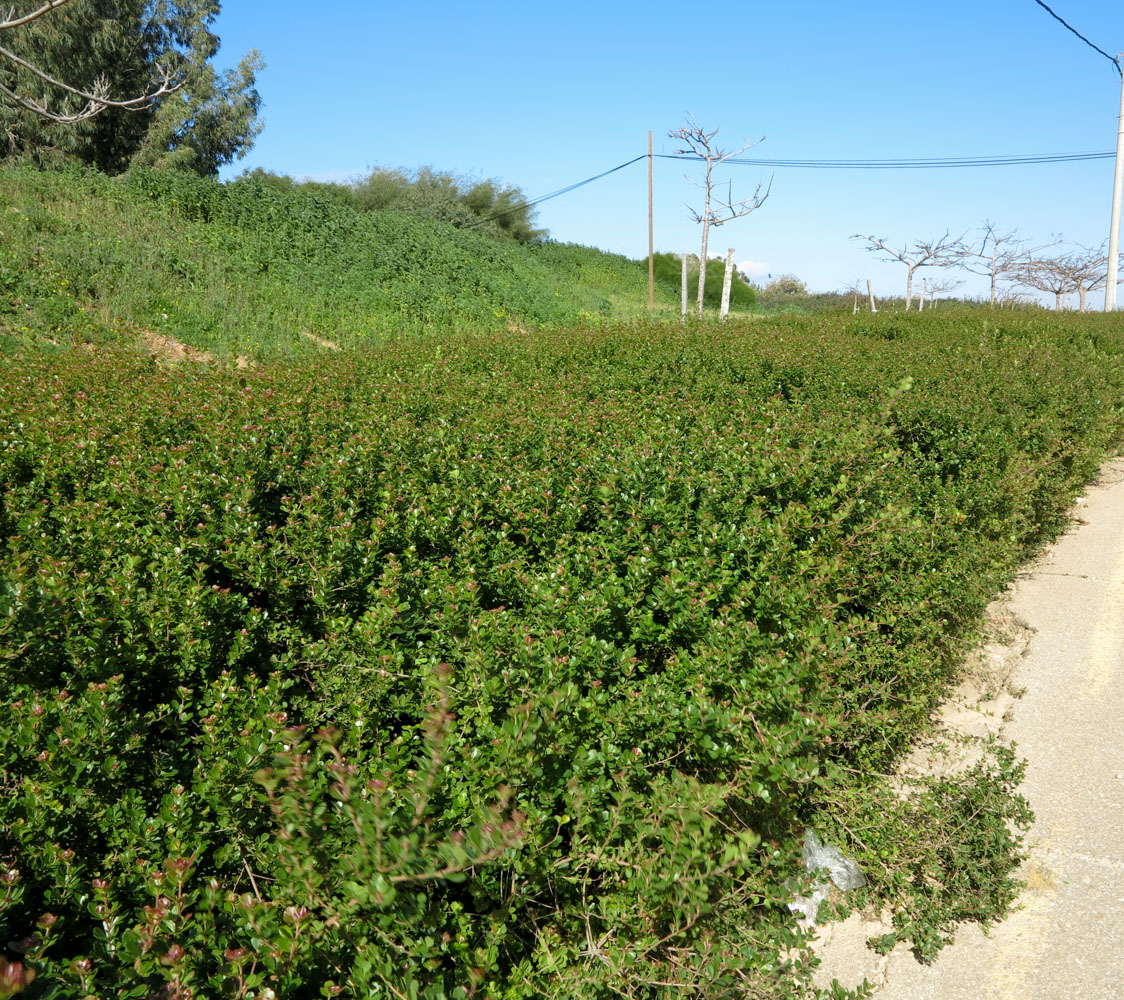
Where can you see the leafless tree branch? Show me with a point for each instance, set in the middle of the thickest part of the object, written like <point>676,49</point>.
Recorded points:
<point>1047,274</point>
<point>1000,256</point>
<point>698,142</point>
<point>945,251</point>
<point>97,99</point>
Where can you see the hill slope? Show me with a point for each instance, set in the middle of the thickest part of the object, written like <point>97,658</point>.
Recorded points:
<point>246,267</point>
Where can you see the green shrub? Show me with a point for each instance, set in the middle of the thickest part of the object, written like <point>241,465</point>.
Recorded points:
<point>515,670</point>
<point>669,272</point>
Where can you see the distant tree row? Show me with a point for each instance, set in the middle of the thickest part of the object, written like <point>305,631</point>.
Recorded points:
<point>1006,259</point>
<point>116,84</point>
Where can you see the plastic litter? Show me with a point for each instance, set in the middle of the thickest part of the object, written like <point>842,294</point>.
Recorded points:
<point>820,857</point>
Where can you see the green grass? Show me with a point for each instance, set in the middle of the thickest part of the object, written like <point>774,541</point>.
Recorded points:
<point>244,268</point>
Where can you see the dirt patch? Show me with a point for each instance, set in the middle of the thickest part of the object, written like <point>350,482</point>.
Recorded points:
<point>977,708</point>
<point>329,345</point>
<point>169,349</point>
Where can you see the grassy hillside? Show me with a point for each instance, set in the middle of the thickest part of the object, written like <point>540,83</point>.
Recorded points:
<point>244,268</point>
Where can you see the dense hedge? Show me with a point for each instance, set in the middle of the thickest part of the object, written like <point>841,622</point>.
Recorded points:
<point>514,668</point>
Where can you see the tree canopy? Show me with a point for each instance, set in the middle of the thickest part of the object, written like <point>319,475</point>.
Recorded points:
<point>464,202</point>
<point>128,47</point>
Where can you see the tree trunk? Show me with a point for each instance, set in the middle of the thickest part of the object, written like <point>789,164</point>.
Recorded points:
<point>1081,295</point>
<point>702,266</point>
<point>705,236</point>
<point>1057,301</point>
<point>727,280</point>
<point>908,289</point>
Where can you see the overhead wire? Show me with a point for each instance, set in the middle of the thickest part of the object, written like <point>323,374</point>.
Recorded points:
<point>1061,20</point>
<point>923,163</point>
<point>932,162</point>
<point>554,194</point>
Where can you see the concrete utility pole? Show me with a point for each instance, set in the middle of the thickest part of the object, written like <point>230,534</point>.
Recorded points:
<point>651,244</point>
<point>1117,192</point>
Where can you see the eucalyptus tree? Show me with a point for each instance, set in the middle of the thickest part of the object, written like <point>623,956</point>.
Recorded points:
<point>116,83</point>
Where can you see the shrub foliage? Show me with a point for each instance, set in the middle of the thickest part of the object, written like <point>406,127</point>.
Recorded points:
<point>516,671</point>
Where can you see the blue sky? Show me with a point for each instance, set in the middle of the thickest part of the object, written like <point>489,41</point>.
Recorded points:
<point>542,96</point>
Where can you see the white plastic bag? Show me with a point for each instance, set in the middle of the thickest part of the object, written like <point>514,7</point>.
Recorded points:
<point>819,857</point>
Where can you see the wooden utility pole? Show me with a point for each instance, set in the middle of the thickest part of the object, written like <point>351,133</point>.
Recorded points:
<point>727,279</point>
<point>651,244</point>
<point>1117,192</point>
<point>870,292</point>
<point>683,286</point>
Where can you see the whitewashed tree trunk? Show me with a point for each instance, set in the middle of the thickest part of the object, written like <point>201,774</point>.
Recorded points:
<point>705,237</point>
<point>909,289</point>
<point>870,292</point>
<point>921,301</point>
<point>727,280</point>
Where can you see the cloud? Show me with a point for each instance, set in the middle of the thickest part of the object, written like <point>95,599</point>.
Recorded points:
<point>754,268</point>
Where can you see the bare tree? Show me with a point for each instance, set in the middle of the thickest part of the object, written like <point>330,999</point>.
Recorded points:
<point>943,252</point>
<point>1047,274</point>
<point>942,287</point>
<point>97,98</point>
<point>854,289</point>
<point>700,143</point>
<point>999,257</point>
<point>1089,270</point>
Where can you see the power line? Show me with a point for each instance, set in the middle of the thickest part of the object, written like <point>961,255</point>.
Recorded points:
<point>933,162</point>
<point>1061,20</point>
<point>555,194</point>
<point>925,163</point>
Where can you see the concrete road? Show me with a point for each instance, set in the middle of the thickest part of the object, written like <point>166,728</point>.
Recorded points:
<point>1067,940</point>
